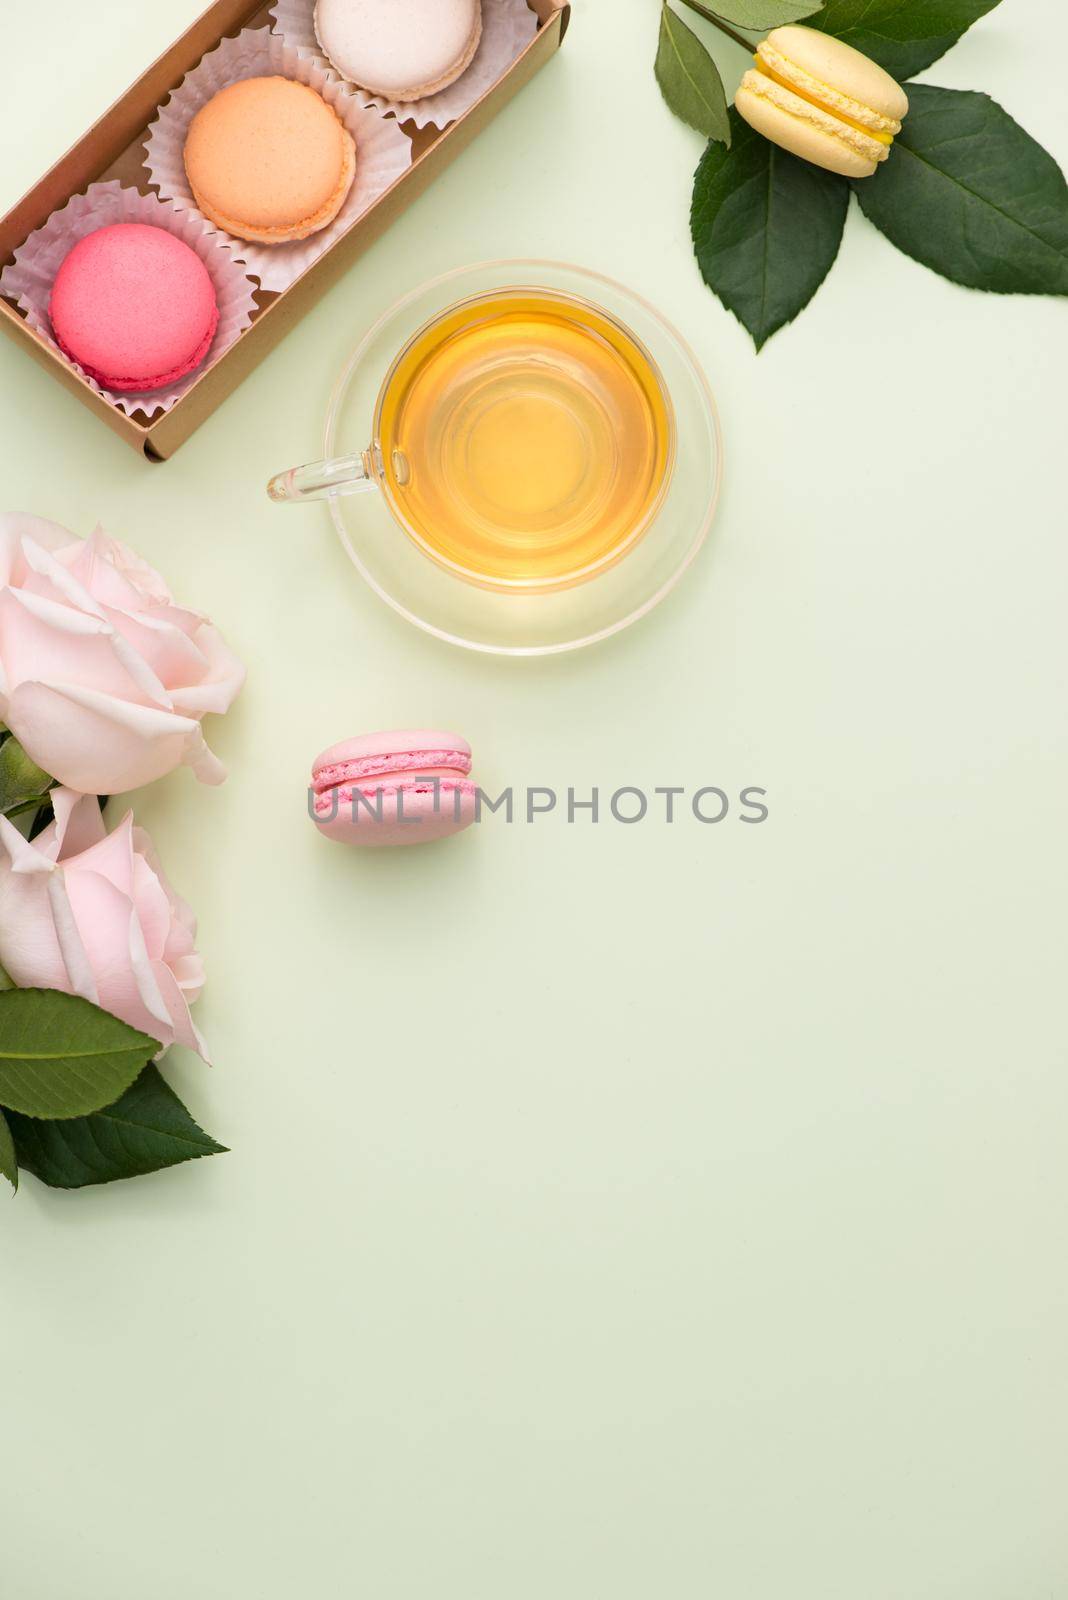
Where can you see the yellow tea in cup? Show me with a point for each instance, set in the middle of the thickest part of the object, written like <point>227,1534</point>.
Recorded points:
<point>526,439</point>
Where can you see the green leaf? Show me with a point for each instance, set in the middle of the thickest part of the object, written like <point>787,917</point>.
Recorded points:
<point>761,15</point>
<point>766,228</point>
<point>147,1129</point>
<point>20,778</point>
<point>689,79</point>
<point>61,1056</point>
<point>967,192</point>
<point>904,36</point>
<point>9,1165</point>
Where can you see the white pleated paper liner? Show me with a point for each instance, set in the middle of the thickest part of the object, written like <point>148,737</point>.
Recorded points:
<point>30,276</point>
<point>383,152</point>
<point>507,28</point>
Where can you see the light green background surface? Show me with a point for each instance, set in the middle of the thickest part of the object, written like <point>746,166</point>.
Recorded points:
<point>613,1211</point>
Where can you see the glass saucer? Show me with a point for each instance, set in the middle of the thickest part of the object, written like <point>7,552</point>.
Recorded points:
<point>517,623</point>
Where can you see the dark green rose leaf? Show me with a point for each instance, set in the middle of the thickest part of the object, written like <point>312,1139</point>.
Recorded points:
<point>766,228</point>
<point>147,1129</point>
<point>689,79</point>
<point>21,779</point>
<point>60,1056</point>
<point>762,15</point>
<point>9,1165</point>
<point>903,36</point>
<point>967,192</point>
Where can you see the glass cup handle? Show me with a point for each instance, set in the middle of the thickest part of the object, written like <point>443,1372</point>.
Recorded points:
<point>324,480</point>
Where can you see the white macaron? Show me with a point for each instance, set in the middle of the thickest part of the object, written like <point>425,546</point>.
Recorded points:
<point>400,49</point>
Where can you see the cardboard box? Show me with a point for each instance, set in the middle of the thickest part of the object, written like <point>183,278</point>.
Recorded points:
<point>112,148</point>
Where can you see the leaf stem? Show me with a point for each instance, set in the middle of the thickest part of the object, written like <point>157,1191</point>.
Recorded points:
<point>717,22</point>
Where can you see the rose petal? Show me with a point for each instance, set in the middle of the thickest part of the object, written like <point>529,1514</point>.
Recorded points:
<point>183,1027</point>
<point>125,981</point>
<point>153,908</point>
<point>29,948</point>
<point>110,857</point>
<point>220,682</point>
<point>116,574</point>
<point>180,951</point>
<point>76,960</point>
<point>23,855</point>
<point>44,640</point>
<point>15,526</point>
<point>78,825</point>
<point>54,579</point>
<point>101,745</point>
<point>206,766</point>
<point>40,944</point>
<point>173,656</point>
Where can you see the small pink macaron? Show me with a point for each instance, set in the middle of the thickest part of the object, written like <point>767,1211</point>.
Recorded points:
<point>408,786</point>
<point>134,307</point>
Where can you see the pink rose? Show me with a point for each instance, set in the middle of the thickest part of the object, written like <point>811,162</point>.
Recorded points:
<point>103,679</point>
<point>91,913</point>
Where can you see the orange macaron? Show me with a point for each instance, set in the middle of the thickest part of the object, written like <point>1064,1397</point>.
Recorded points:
<point>269,161</point>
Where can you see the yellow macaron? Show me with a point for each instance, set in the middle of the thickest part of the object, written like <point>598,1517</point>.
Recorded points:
<point>822,100</point>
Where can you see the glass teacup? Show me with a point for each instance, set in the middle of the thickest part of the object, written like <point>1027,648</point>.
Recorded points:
<point>523,438</point>
<point>544,457</point>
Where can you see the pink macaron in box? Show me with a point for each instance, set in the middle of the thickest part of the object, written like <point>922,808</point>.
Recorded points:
<point>409,786</point>
<point>137,296</point>
<point>135,307</point>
